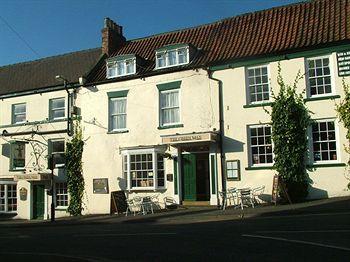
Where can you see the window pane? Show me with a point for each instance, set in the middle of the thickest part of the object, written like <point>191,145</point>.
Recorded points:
<point>58,113</point>
<point>261,146</point>
<point>182,53</point>
<point>161,60</point>
<point>324,141</point>
<point>172,57</point>
<point>19,108</point>
<point>57,103</point>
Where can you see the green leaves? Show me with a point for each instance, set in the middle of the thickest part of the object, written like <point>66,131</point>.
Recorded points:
<point>290,119</point>
<point>75,179</point>
<point>343,110</point>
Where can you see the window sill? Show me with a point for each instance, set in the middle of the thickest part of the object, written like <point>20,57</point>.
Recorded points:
<point>61,208</point>
<point>260,168</point>
<point>316,98</point>
<point>170,126</point>
<point>17,170</point>
<point>258,105</point>
<point>140,189</point>
<point>326,165</point>
<point>118,131</point>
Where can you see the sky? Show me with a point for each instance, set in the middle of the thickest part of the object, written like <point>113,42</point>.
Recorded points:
<point>34,29</point>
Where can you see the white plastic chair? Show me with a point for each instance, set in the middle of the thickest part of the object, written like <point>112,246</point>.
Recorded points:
<point>132,207</point>
<point>258,191</point>
<point>223,196</point>
<point>245,197</point>
<point>170,203</point>
<point>232,196</point>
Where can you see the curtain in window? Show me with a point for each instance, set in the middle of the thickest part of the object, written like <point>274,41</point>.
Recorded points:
<point>170,107</point>
<point>118,114</point>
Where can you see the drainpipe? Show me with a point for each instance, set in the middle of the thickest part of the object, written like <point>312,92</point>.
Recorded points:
<point>69,119</point>
<point>221,123</point>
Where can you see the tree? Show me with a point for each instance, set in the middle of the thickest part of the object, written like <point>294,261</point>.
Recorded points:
<point>75,179</point>
<point>290,119</point>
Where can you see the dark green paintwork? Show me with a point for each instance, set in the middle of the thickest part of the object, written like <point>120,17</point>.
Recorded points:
<point>189,176</point>
<point>175,176</point>
<point>213,174</point>
<point>38,201</point>
<point>122,93</point>
<point>169,86</point>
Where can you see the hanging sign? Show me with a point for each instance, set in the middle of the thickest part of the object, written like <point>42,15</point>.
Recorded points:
<point>343,59</point>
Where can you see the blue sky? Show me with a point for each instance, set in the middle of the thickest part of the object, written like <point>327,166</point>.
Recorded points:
<point>50,27</point>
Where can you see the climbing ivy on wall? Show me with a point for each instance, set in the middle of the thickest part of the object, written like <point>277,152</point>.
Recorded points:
<point>290,119</point>
<point>343,110</point>
<point>75,179</point>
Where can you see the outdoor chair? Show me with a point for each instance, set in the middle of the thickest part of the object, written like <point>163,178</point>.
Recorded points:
<point>133,207</point>
<point>232,196</point>
<point>245,197</point>
<point>223,196</point>
<point>155,201</point>
<point>257,192</point>
<point>147,205</point>
<point>170,203</point>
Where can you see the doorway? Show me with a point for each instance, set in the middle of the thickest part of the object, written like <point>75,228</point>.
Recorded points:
<point>38,201</point>
<point>195,177</point>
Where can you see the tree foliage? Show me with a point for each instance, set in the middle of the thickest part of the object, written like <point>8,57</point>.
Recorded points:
<point>343,110</point>
<point>290,119</point>
<point>75,179</point>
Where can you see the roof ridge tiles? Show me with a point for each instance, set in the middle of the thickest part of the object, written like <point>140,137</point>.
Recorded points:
<point>222,20</point>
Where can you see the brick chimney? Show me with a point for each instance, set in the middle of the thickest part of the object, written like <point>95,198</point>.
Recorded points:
<point>112,36</point>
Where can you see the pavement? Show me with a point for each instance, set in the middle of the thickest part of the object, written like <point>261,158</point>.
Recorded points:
<point>315,230</point>
<point>197,214</point>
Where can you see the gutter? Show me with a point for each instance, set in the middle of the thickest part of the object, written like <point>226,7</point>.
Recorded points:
<point>221,123</point>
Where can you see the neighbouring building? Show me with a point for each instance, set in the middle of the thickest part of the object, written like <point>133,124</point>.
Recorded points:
<point>34,124</point>
<point>182,114</point>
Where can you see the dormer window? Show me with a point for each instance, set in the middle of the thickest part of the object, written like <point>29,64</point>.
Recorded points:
<point>121,66</point>
<point>173,55</point>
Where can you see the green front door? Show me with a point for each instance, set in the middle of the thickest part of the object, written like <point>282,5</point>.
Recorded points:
<point>189,177</point>
<point>38,201</point>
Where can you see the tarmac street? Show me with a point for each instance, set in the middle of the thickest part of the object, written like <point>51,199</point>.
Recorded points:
<point>302,232</point>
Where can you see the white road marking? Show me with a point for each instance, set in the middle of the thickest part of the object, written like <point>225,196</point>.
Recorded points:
<point>125,234</point>
<point>18,236</point>
<point>306,231</point>
<point>297,241</point>
<point>301,215</point>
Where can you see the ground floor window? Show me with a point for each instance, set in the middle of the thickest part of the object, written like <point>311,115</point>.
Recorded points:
<point>8,198</point>
<point>324,142</point>
<point>61,195</point>
<point>144,169</point>
<point>260,145</point>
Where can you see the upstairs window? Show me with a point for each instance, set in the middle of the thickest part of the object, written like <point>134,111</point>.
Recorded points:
<point>172,56</point>
<point>117,116</point>
<point>121,66</point>
<point>17,157</point>
<point>19,113</point>
<point>57,151</point>
<point>169,107</point>
<point>57,108</point>
<point>258,84</point>
<point>319,76</point>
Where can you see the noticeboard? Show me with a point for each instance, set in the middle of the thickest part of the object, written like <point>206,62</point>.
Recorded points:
<point>343,59</point>
<point>100,185</point>
<point>118,203</point>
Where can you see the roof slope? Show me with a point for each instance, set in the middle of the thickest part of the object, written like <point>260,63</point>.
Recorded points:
<point>41,73</point>
<point>271,31</point>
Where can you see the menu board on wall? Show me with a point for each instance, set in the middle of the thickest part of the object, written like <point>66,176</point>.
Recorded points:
<point>343,59</point>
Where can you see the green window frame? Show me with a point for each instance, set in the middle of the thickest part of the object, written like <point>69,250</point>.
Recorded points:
<point>56,109</point>
<point>233,170</point>
<point>57,147</point>
<point>117,111</point>
<point>17,155</point>
<point>19,113</point>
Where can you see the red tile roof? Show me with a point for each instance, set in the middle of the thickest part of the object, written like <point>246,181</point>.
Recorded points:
<point>278,30</point>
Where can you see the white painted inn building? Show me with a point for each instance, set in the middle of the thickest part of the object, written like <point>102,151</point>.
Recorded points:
<point>179,114</point>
